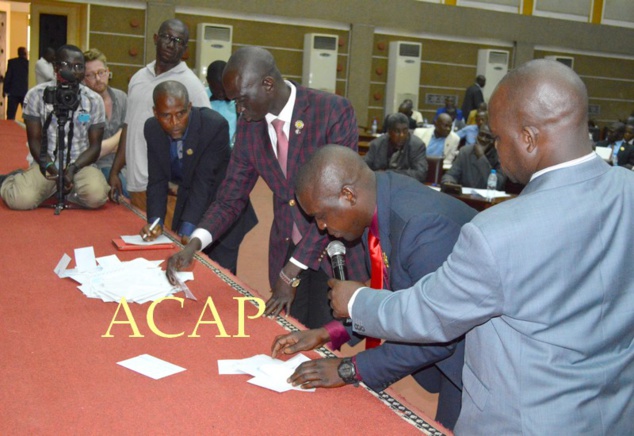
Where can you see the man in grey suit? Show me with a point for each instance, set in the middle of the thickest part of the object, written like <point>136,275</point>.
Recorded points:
<point>543,285</point>
<point>398,150</point>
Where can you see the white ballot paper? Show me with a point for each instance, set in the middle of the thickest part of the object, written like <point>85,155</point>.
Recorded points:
<point>484,193</point>
<point>138,240</point>
<point>151,366</point>
<point>267,372</point>
<point>138,280</point>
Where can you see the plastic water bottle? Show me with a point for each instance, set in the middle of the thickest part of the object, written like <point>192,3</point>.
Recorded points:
<point>492,183</point>
<point>375,126</point>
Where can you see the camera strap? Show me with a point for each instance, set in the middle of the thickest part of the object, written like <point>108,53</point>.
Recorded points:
<point>44,145</point>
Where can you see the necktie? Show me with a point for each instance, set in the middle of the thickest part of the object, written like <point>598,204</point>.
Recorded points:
<point>282,158</point>
<point>282,144</point>
<point>376,277</point>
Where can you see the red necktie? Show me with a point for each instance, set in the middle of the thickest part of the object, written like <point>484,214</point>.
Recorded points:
<point>282,158</point>
<point>376,277</point>
<point>282,143</point>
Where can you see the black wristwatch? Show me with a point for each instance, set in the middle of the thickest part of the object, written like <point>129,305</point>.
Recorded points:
<point>348,372</point>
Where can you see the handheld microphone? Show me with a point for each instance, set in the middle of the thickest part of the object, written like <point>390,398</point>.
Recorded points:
<point>337,251</point>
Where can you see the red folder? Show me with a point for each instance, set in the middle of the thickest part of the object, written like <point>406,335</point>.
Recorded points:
<point>118,242</point>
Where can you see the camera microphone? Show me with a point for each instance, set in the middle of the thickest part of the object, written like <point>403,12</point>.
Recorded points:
<point>336,251</point>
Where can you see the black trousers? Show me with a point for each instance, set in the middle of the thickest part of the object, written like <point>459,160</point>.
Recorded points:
<point>311,306</point>
<point>12,106</point>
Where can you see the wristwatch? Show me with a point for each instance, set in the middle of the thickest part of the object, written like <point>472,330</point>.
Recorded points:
<point>348,372</point>
<point>293,282</point>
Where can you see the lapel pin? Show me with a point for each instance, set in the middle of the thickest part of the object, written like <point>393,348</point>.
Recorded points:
<point>189,152</point>
<point>299,125</point>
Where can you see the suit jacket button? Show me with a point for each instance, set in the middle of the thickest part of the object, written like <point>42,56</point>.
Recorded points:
<point>287,239</point>
<point>291,202</point>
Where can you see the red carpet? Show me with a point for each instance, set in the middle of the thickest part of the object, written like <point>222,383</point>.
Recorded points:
<point>59,375</point>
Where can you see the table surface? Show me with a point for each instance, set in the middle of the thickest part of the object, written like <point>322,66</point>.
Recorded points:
<point>59,374</point>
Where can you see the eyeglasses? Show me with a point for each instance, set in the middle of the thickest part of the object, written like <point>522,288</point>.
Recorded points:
<point>169,39</point>
<point>68,66</point>
<point>102,74</point>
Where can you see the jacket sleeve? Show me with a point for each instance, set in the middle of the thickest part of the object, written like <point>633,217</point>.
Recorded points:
<point>342,129</point>
<point>157,178</point>
<point>210,168</point>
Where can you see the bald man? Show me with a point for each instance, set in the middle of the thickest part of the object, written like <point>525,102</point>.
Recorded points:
<point>440,140</point>
<point>171,43</point>
<point>417,228</point>
<point>188,153</point>
<point>281,124</point>
<point>543,286</point>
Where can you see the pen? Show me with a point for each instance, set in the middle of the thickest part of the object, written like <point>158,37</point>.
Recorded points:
<point>156,221</point>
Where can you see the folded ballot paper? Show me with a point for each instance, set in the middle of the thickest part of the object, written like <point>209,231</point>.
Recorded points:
<point>110,279</point>
<point>267,372</point>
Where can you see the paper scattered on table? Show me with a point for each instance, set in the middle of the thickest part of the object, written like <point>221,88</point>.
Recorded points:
<point>139,280</point>
<point>138,240</point>
<point>267,372</point>
<point>484,193</point>
<point>151,366</point>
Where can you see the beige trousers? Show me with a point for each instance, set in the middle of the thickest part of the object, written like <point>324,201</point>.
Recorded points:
<point>27,190</point>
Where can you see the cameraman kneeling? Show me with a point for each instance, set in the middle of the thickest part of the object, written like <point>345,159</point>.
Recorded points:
<point>82,113</point>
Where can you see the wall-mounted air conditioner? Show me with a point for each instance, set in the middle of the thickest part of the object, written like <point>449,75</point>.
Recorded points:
<point>403,74</point>
<point>320,61</point>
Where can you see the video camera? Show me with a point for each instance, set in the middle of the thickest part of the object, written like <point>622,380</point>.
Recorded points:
<point>64,97</point>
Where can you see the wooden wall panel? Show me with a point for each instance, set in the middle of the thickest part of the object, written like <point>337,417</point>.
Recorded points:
<point>447,68</point>
<point>284,41</point>
<point>120,34</point>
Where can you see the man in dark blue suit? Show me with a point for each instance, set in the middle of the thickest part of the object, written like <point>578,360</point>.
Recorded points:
<point>16,82</point>
<point>417,228</point>
<point>188,153</point>
<point>306,119</point>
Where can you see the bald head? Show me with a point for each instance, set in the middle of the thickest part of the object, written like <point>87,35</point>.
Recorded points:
<point>170,88</point>
<point>253,61</point>
<point>337,188</point>
<point>177,25</point>
<point>252,79</point>
<point>541,111</point>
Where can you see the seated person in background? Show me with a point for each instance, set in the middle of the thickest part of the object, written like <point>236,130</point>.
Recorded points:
<point>84,184</point>
<point>482,107</point>
<point>622,154</point>
<point>456,123</point>
<point>628,136</point>
<point>440,140</point>
<point>188,153</point>
<point>475,162</point>
<point>219,101</point>
<point>398,150</point>
<point>416,228</point>
<point>96,78</point>
<point>450,107</point>
<point>413,113</point>
<point>469,133</point>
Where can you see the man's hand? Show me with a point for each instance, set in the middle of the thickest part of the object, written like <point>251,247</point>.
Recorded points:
<point>282,298</point>
<point>320,373</point>
<point>182,259</point>
<point>299,341</point>
<point>150,235</point>
<point>283,293</point>
<point>116,187</point>
<point>69,177</point>
<point>340,294</point>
